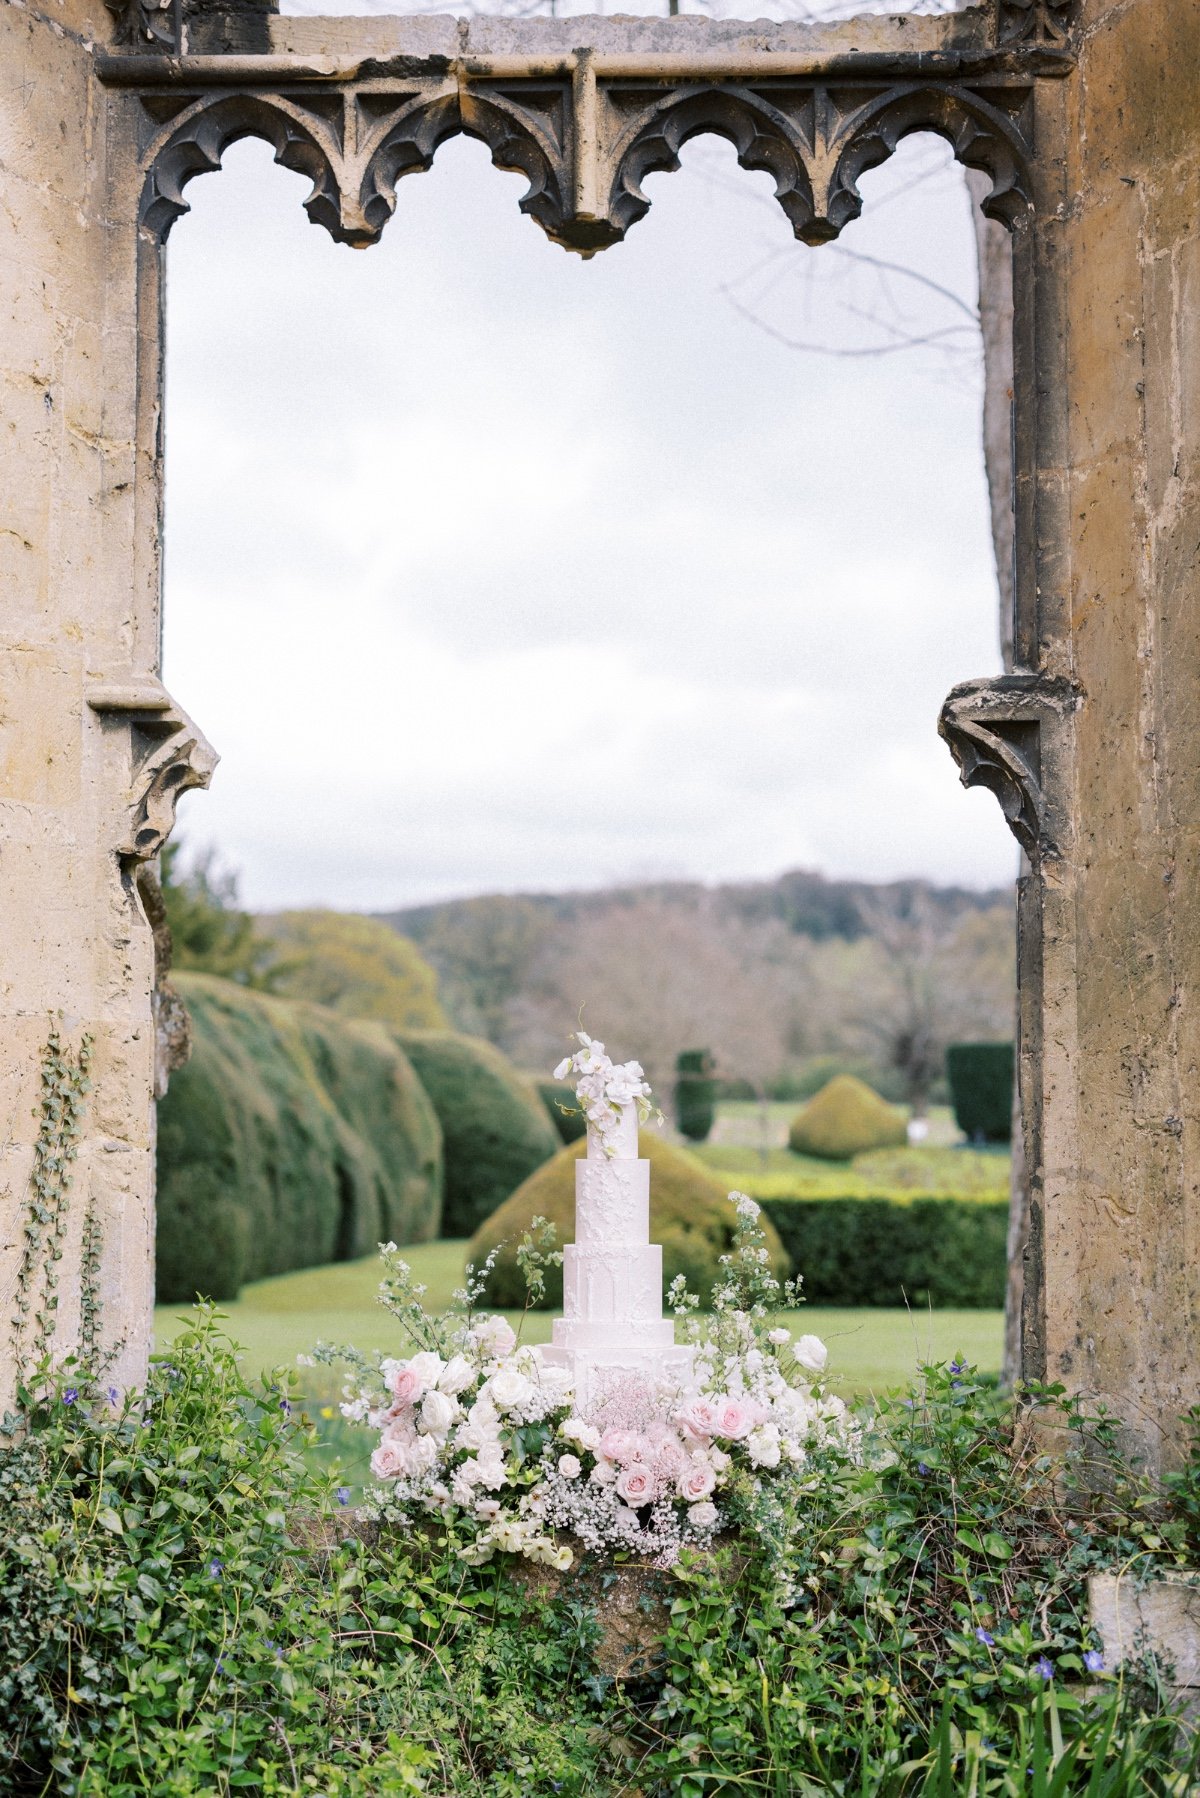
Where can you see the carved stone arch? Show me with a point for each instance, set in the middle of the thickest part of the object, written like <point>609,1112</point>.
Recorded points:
<point>765,136</point>
<point>531,136</point>
<point>984,133</point>
<point>394,136</point>
<point>193,140</point>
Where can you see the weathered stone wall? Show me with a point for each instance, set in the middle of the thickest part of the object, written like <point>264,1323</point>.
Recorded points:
<point>78,623</point>
<point>1119,1310</point>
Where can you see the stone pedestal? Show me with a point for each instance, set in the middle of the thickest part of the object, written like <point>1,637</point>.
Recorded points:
<point>1160,1614</point>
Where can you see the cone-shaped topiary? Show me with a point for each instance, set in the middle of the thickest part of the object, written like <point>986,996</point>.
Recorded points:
<point>495,1129</point>
<point>845,1118</point>
<point>690,1215</point>
<point>291,1138</point>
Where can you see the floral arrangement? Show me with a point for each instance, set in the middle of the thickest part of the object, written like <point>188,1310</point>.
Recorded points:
<point>604,1088</point>
<point>475,1431</point>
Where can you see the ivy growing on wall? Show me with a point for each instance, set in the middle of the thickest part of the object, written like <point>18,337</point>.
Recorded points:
<point>63,1097</point>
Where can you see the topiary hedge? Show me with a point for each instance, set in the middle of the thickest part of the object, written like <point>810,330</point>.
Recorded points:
<point>558,1096</point>
<point>981,1089</point>
<point>291,1138</point>
<point>495,1129</point>
<point>695,1094</point>
<point>690,1215</point>
<point>926,1251</point>
<point>845,1118</point>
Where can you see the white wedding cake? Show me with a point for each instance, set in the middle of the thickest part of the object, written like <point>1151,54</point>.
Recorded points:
<point>612,1323</point>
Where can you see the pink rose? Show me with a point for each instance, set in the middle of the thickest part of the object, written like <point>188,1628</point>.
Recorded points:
<point>734,1420</point>
<point>697,1480</point>
<point>619,1446</point>
<point>700,1416</point>
<point>669,1459</point>
<point>390,1459</point>
<point>636,1485</point>
<point>406,1386</point>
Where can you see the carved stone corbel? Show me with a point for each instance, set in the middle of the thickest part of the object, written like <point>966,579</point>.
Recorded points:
<point>170,755</point>
<point>998,733</point>
<point>1049,22</point>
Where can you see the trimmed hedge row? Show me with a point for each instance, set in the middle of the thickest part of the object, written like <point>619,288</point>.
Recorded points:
<point>293,1137</point>
<point>495,1128</point>
<point>925,1251</point>
<point>981,1089</point>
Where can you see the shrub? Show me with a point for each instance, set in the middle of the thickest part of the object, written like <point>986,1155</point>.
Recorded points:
<point>981,1089</point>
<point>843,1119</point>
<point>695,1094</point>
<point>558,1096</point>
<point>291,1138</point>
<point>494,1126</point>
<point>690,1215</point>
<point>357,966</point>
<point>880,1251</point>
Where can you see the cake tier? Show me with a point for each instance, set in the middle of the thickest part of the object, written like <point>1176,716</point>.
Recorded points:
<point>593,1370</point>
<point>612,1203</point>
<point>612,1285</point>
<point>623,1139</point>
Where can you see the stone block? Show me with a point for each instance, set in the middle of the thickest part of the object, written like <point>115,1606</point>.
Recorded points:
<point>1162,1614</point>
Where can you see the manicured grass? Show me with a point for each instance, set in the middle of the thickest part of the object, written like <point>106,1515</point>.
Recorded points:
<point>275,1320</point>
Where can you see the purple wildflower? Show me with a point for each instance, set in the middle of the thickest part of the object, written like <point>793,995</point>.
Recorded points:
<point>285,1406</point>
<point>215,1567</point>
<point>113,1397</point>
<point>220,1667</point>
<point>1093,1660</point>
<point>1045,1667</point>
<point>343,1495</point>
<point>985,1636</point>
<point>70,1395</point>
<point>957,1366</point>
<point>921,1467</point>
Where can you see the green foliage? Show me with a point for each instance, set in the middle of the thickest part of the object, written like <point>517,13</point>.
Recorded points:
<point>900,1173</point>
<point>695,1094</point>
<point>210,933</point>
<point>558,1096</point>
<point>494,1126</point>
<point>357,966</point>
<point>291,1138</point>
<point>884,1251</point>
<point>183,1617</point>
<point>188,1611</point>
<point>690,1215</point>
<point>981,1089</point>
<point>64,1086</point>
<point>844,1119</point>
<point>917,1626</point>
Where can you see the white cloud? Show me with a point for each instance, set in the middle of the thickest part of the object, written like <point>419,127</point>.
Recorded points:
<point>490,568</point>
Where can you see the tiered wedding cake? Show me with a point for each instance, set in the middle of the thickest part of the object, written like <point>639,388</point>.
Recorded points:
<point>612,1322</point>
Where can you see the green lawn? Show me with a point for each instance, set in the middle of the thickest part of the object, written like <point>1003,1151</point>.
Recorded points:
<point>275,1320</point>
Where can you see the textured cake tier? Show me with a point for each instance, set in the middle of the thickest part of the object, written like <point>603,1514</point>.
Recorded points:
<point>611,1285</point>
<point>612,1203</point>
<point>593,1371</point>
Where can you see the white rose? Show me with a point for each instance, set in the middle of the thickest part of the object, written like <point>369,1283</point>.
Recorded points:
<point>495,1336</point>
<point>763,1447</point>
<point>812,1354</point>
<point>437,1412</point>
<point>584,1435</point>
<point>780,1338</point>
<point>702,1516</point>
<point>456,1376</point>
<point>423,1453</point>
<point>569,1466</point>
<point>508,1388</point>
<point>427,1366</point>
<point>603,1473</point>
<point>697,1479</point>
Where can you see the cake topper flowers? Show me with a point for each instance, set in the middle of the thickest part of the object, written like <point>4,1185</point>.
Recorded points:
<point>604,1088</point>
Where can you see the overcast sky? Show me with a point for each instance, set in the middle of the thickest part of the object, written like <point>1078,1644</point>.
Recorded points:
<point>489,568</point>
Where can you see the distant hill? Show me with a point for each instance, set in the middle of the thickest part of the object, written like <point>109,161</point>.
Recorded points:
<point>808,904</point>
<point>773,976</point>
